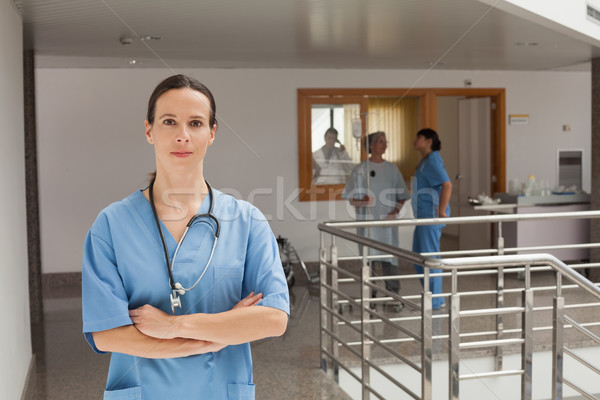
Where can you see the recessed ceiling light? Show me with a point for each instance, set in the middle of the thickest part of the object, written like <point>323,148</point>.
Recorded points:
<point>527,43</point>
<point>126,40</point>
<point>133,62</point>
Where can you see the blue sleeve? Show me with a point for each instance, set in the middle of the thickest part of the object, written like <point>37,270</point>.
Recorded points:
<point>263,271</point>
<point>104,302</point>
<point>437,173</point>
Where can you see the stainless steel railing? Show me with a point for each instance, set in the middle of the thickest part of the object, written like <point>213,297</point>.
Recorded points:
<point>353,341</point>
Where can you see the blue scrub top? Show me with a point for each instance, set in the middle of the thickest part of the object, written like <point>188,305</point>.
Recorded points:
<point>124,268</point>
<point>427,186</point>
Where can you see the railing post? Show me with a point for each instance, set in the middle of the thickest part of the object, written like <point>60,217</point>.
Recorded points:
<point>500,318</point>
<point>500,302</point>
<point>365,294</point>
<point>527,348</point>
<point>334,305</point>
<point>454,341</point>
<point>325,303</point>
<point>427,342</point>
<point>500,240</point>
<point>558,340</point>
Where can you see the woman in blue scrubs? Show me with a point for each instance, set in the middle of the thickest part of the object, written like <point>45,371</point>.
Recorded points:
<point>200,350</point>
<point>431,197</point>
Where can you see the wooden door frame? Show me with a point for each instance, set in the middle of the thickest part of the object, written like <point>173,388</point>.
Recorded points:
<point>497,129</point>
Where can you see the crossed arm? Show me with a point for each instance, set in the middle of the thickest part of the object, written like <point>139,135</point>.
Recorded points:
<point>156,334</point>
<point>444,198</point>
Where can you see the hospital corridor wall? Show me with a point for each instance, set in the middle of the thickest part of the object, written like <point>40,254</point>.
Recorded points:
<point>92,149</point>
<point>15,335</point>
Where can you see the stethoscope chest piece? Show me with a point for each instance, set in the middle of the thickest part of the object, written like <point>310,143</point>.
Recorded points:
<point>175,301</point>
<point>177,291</point>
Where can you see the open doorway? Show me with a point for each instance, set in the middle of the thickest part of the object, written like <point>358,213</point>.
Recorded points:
<point>468,127</point>
<point>464,124</point>
<point>474,168</point>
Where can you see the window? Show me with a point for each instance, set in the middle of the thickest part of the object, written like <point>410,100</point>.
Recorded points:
<point>330,130</point>
<point>398,117</point>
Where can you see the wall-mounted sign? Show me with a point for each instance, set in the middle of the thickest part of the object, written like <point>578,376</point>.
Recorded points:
<point>518,119</point>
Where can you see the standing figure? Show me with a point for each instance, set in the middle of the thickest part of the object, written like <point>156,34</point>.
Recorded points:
<point>377,189</point>
<point>431,193</point>
<point>178,278</point>
<point>331,164</point>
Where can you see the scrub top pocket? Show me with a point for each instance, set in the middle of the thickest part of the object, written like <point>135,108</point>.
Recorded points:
<point>132,393</point>
<point>240,391</point>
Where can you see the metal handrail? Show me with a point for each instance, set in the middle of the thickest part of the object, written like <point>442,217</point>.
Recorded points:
<point>520,259</point>
<point>464,220</point>
<point>465,262</point>
<point>452,265</point>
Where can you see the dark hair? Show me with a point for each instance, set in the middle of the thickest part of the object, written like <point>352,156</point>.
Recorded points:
<point>428,133</point>
<point>180,82</point>
<point>371,138</point>
<point>331,130</point>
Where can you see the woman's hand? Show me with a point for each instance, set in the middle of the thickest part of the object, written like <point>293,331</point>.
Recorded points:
<point>444,199</point>
<point>393,214</point>
<point>249,301</point>
<point>154,322</point>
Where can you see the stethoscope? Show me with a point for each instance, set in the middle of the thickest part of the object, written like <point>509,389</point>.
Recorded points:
<point>177,288</point>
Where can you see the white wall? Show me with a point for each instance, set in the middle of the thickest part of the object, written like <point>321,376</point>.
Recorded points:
<point>92,149</point>
<point>15,336</point>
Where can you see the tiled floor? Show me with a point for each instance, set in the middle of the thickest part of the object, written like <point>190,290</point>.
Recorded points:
<point>285,368</point>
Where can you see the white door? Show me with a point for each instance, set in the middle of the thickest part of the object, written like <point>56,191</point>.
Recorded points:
<point>474,168</point>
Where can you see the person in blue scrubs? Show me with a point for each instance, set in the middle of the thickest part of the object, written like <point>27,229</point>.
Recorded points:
<point>431,193</point>
<point>382,198</point>
<point>200,350</point>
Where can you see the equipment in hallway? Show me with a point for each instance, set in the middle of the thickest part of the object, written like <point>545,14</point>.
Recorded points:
<point>289,257</point>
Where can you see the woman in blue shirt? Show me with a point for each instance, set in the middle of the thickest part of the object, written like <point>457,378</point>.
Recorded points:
<point>233,290</point>
<point>431,197</point>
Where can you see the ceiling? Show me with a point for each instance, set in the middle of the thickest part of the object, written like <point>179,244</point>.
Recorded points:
<point>355,34</point>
